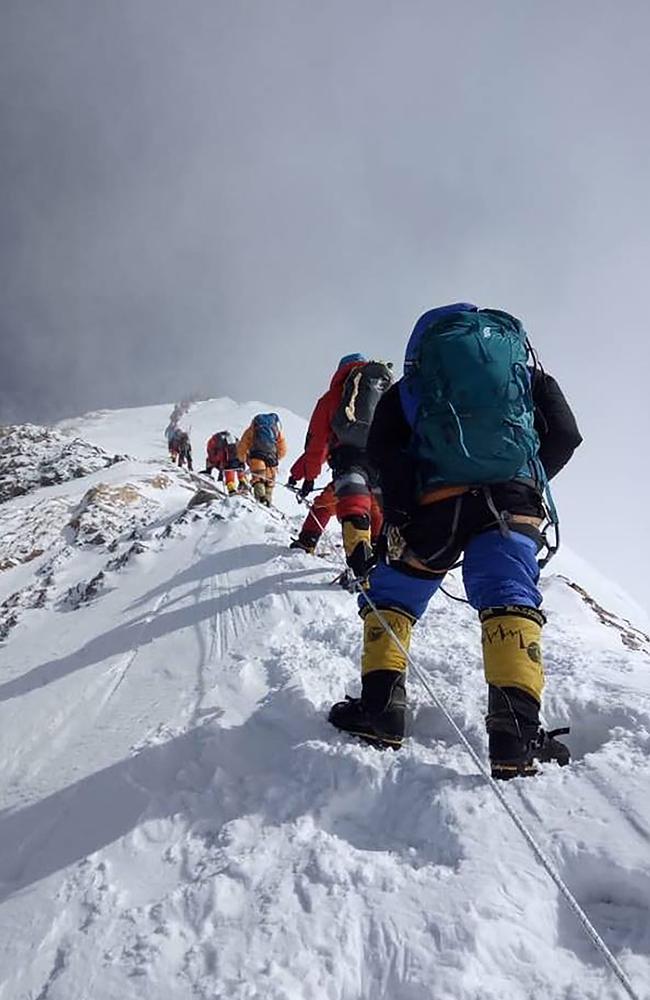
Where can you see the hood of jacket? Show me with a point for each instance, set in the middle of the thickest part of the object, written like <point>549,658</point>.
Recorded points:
<point>339,376</point>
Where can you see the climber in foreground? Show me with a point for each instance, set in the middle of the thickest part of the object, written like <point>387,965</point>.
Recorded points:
<point>464,444</point>
<point>337,434</point>
<point>262,447</point>
<point>222,456</point>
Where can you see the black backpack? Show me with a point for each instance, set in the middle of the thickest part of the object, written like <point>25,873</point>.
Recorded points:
<point>232,459</point>
<point>362,390</point>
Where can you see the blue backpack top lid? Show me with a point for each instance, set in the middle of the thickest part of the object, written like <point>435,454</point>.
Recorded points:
<point>347,359</point>
<point>269,420</point>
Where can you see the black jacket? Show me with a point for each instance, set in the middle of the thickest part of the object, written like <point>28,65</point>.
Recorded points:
<point>390,438</point>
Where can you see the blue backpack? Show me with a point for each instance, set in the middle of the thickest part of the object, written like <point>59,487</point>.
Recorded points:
<point>266,430</point>
<point>466,393</point>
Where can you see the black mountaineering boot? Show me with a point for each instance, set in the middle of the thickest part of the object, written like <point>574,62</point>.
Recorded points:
<point>379,715</point>
<point>546,748</point>
<point>515,737</point>
<point>361,560</point>
<point>307,541</point>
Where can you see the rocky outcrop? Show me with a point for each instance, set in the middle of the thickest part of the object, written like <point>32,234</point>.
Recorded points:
<point>33,456</point>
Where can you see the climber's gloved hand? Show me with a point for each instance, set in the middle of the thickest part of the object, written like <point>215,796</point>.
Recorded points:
<point>306,488</point>
<point>292,482</point>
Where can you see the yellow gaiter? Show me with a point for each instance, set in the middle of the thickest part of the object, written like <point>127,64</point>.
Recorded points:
<point>380,652</point>
<point>512,652</point>
<point>352,535</point>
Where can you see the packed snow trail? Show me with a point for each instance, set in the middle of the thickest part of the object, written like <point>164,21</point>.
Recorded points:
<point>179,820</point>
<point>498,790</point>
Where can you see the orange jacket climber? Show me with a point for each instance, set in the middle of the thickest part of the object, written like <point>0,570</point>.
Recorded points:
<point>262,446</point>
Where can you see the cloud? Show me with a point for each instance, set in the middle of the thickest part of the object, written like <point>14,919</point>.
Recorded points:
<point>224,198</point>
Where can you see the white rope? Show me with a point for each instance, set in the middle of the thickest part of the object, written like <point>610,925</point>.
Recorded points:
<point>308,504</point>
<point>310,507</point>
<point>537,850</point>
<point>539,853</point>
<point>546,863</point>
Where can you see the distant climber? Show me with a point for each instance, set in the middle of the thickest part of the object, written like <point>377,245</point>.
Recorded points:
<point>178,441</point>
<point>222,456</point>
<point>262,447</point>
<point>180,449</point>
<point>179,411</point>
<point>337,434</point>
<point>465,443</point>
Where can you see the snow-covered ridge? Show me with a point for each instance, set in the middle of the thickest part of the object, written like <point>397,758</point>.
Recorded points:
<point>631,636</point>
<point>177,818</point>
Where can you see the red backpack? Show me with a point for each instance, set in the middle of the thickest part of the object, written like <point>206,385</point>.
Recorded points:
<point>218,448</point>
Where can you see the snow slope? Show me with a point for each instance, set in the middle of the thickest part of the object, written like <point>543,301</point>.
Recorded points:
<point>178,820</point>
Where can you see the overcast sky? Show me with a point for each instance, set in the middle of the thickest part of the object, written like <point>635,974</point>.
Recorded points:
<point>223,197</point>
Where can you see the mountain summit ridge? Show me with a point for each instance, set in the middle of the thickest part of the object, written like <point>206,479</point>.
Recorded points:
<point>177,817</point>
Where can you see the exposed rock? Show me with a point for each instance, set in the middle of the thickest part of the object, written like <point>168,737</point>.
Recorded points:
<point>83,592</point>
<point>30,530</point>
<point>631,636</point>
<point>109,512</point>
<point>32,456</point>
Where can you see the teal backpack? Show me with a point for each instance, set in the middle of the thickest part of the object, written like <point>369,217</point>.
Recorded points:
<point>466,393</point>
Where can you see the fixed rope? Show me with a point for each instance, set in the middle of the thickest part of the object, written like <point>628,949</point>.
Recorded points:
<point>539,853</point>
<point>597,941</point>
<point>310,507</point>
<point>308,504</point>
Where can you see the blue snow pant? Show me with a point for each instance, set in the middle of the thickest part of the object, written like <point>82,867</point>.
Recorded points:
<point>498,571</point>
<point>501,575</point>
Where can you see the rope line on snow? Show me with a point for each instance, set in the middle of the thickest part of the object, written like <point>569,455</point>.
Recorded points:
<point>539,853</point>
<point>310,507</point>
<point>308,504</point>
<point>573,904</point>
